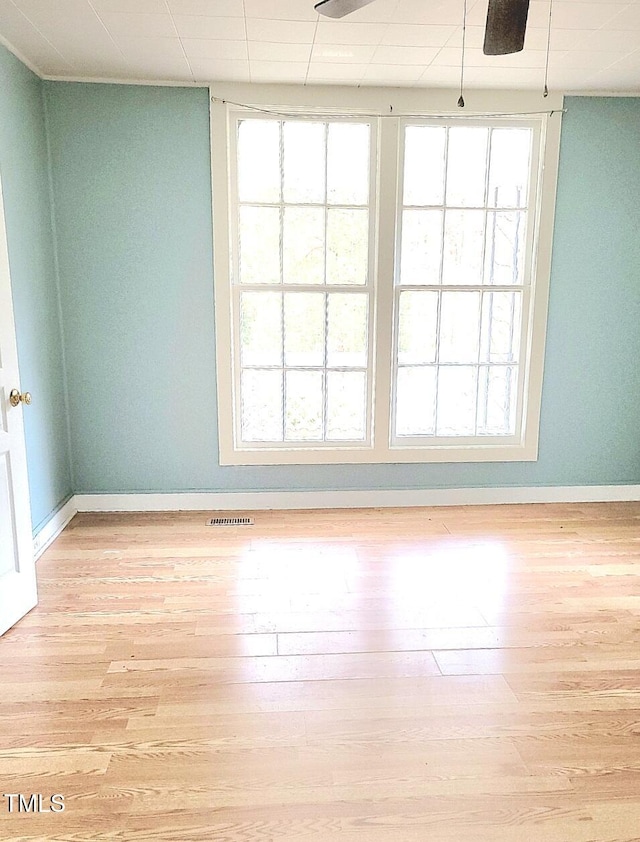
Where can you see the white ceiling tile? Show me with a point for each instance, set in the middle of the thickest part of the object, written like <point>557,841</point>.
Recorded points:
<point>477,15</point>
<point>392,73</point>
<point>434,12</point>
<point>440,77</point>
<point>474,57</point>
<point>567,39</point>
<point>614,80</point>
<point>493,77</point>
<point>452,57</point>
<point>15,27</point>
<point>280,9</point>
<point>569,14</point>
<point>629,62</point>
<point>262,51</point>
<point>220,29</point>
<point>208,8</point>
<point>164,49</point>
<point>569,80</point>
<point>220,50</point>
<point>342,54</point>
<point>162,68</point>
<point>474,37</point>
<point>536,38</point>
<point>150,7</point>
<point>611,40</point>
<point>627,18</point>
<point>59,16</point>
<point>578,60</point>
<point>411,35</point>
<point>210,70</point>
<point>77,32</point>
<point>421,56</point>
<point>140,25</point>
<point>279,31</point>
<point>343,73</point>
<point>379,12</point>
<point>345,32</point>
<point>526,58</point>
<point>278,71</point>
<point>92,66</point>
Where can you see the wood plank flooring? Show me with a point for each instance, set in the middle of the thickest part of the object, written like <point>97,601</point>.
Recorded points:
<point>467,674</point>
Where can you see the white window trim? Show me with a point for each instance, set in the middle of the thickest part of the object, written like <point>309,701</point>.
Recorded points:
<point>369,288</point>
<point>415,103</point>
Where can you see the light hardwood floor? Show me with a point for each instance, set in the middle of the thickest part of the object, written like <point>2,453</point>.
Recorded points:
<point>408,675</point>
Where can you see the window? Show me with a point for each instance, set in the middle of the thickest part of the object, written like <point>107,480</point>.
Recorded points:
<point>382,297</point>
<point>461,280</point>
<point>303,295</point>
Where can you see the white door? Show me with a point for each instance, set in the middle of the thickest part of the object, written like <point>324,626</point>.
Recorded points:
<point>17,566</point>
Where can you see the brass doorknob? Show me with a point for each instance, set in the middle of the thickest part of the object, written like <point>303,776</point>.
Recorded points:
<point>16,397</point>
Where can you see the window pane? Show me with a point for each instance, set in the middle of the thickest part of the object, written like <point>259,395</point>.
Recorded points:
<point>424,165</point>
<point>348,164</point>
<point>259,161</point>
<point>261,328</point>
<point>459,327</point>
<point>421,251</point>
<point>259,245</point>
<point>504,253</point>
<point>347,330</point>
<point>501,323</point>
<point>463,247</point>
<point>509,169</point>
<point>467,166</point>
<point>304,328</point>
<point>346,399</point>
<point>303,246</point>
<point>303,405</point>
<point>497,400</point>
<point>304,161</point>
<point>416,402</point>
<point>417,327</point>
<point>347,246</point>
<point>261,405</point>
<point>456,415</point>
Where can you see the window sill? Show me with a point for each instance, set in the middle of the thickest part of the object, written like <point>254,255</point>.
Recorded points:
<point>490,452</point>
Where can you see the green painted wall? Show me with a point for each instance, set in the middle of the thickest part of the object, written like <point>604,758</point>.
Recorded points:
<point>133,212</point>
<point>25,179</point>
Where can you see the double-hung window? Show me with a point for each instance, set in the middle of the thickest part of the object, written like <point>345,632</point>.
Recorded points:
<point>381,285</point>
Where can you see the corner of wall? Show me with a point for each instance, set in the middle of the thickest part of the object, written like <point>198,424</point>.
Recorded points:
<point>56,270</point>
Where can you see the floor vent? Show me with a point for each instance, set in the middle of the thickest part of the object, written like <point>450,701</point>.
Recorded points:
<point>230,521</point>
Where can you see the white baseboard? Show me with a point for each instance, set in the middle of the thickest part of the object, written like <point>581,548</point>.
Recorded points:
<point>257,500</point>
<point>53,527</point>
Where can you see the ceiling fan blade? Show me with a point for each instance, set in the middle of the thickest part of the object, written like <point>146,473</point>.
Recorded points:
<point>506,26</point>
<point>339,8</point>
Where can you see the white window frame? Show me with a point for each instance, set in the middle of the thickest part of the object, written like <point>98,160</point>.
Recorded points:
<point>369,288</point>
<point>527,109</point>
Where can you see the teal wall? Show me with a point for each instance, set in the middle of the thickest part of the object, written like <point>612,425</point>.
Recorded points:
<point>25,180</point>
<point>133,213</point>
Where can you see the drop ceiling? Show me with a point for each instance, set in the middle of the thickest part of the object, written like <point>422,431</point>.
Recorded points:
<point>595,46</point>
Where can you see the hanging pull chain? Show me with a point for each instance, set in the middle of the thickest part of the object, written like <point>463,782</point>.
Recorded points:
<point>464,40</point>
<point>545,91</point>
